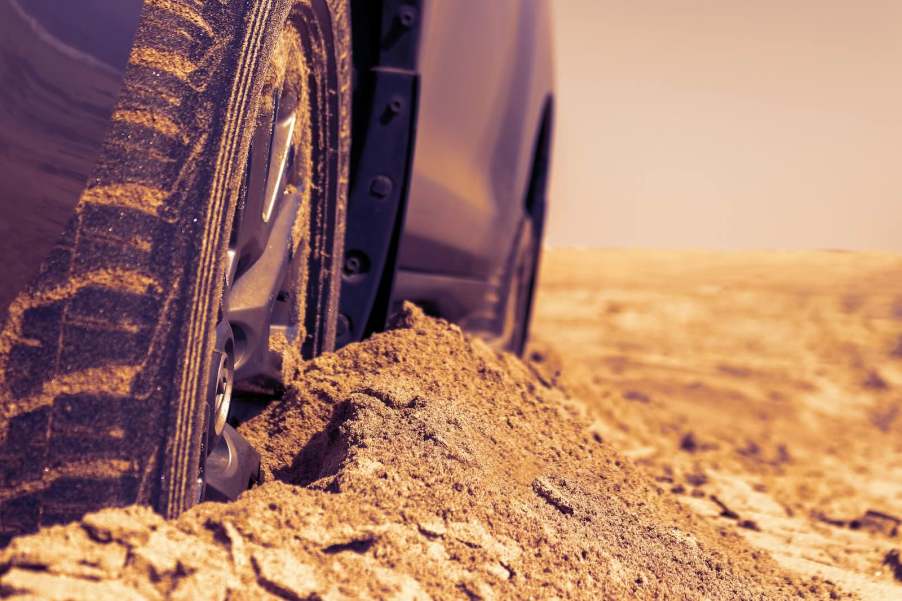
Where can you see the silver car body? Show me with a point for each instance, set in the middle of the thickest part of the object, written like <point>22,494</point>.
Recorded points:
<point>485,91</point>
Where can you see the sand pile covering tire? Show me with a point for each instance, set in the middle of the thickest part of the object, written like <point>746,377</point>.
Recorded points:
<point>418,464</point>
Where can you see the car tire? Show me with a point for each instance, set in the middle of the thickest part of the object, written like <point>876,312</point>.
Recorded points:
<point>520,287</point>
<point>107,361</point>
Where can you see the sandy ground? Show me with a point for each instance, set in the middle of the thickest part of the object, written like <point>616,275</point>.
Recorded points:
<point>762,389</point>
<point>686,426</point>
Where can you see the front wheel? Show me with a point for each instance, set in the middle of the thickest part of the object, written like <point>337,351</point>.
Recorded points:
<point>279,296</point>
<point>204,257</point>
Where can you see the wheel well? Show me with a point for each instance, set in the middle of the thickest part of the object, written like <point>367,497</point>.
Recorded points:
<point>536,204</point>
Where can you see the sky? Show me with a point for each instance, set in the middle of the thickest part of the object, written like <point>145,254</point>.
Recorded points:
<point>728,124</point>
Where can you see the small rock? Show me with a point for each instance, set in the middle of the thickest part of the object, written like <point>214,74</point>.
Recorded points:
<point>474,534</point>
<point>279,572</point>
<point>53,587</point>
<point>68,552</point>
<point>688,443</point>
<point>725,512</point>
<point>131,526</point>
<point>879,522</point>
<point>496,569</point>
<point>206,584</point>
<point>697,478</point>
<point>158,557</point>
<point>477,590</point>
<point>893,560</point>
<point>691,443</point>
<point>237,546</point>
<point>875,381</point>
<point>552,494</point>
<point>433,527</point>
<point>636,395</point>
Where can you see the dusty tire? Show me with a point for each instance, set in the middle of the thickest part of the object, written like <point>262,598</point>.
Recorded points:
<point>104,360</point>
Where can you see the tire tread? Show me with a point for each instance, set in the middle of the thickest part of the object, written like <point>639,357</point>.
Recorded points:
<point>90,367</point>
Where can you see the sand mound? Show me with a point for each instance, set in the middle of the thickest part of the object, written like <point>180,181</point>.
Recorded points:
<point>418,464</point>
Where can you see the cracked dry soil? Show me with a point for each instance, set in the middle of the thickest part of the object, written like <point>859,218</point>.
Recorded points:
<point>762,389</point>
<point>417,464</point>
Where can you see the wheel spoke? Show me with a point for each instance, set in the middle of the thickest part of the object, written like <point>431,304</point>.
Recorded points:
<point>251,230</point>
<point>260,247</point>
<point>257,262</point>
<point>280,155</point>
<point>249,301</point>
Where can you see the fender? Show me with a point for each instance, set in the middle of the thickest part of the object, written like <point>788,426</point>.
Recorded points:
<point>485,102</point>
<point>486,77</point>
<point>61,68</point>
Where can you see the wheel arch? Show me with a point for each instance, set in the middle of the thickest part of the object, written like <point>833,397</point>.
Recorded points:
<point>536,200</point>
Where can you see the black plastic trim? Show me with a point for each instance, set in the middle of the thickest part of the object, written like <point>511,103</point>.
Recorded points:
<point>387,93</point>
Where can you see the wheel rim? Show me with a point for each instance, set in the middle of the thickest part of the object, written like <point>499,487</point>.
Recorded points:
<point>265,265</point>
<point>267,234</point>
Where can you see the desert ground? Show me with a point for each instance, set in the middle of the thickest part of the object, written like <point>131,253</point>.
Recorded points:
<point>762,389</point>
<point>684,425</point>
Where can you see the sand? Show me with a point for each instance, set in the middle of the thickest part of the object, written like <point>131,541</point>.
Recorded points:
<point>762,389</point>
<point>673,433</point>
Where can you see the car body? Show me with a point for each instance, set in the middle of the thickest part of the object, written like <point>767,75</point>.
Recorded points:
<point>486,91</point>
<point>486,95</point>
